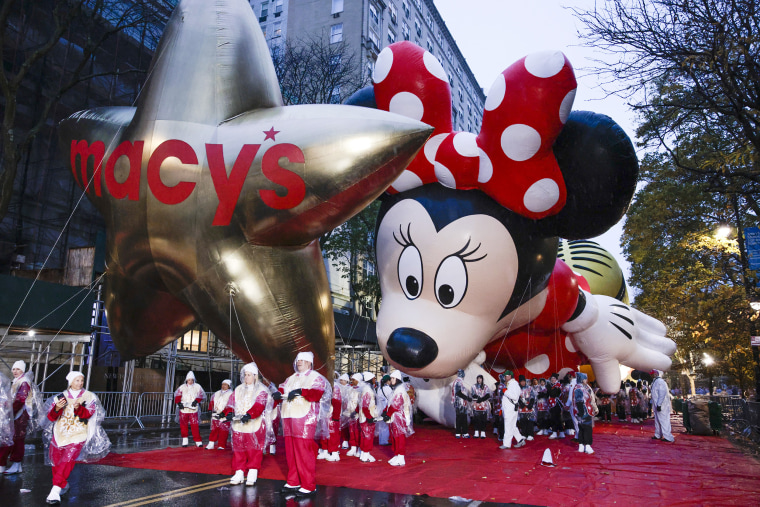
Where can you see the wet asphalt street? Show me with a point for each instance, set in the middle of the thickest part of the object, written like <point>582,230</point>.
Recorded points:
<point>100,485</point>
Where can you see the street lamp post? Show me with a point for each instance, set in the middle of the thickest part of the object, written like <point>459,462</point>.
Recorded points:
<point>708,361</point>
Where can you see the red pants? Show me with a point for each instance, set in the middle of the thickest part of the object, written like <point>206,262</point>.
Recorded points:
<point>354,434</point>
<point>191,420</point>
<point>246,459</point>
<point>367,436</point>
<point>398,441</point>
<point>219,433</point>
<point>345,433</point>
<point>16,450</point>
<point>334,442</point>
<point>301,454</point>
<point>63,459</point>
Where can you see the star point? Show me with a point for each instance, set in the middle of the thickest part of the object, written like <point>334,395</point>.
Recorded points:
<point>269,134</point>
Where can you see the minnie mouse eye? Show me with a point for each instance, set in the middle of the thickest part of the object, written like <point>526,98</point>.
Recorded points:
<point>410,272</point>
<point>451,281</point>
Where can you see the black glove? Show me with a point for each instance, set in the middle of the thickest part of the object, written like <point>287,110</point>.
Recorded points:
<point>377,419</point>
<point>521,403</point>
<point>277,396</point>
<point>195,403</point>
<point>180,406</point>
<point>84,421</point>
<point>245,418</point>
<point>659,408</point>
<point>460,394</point>
<point>386,418</point>
<point>229,417</point>
<point>530,405</point>
<point>292,394</point>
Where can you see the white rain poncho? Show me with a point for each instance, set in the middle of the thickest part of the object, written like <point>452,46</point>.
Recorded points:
<point>400,411</point>
<point>257,432</point>
<point>24,388</point>
<point>351,400</point>
<point>6,412</point>
<point>62,437</point>
<point>302,418</point>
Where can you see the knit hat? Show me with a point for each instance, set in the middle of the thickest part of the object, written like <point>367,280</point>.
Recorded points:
<point>397,375</point>
<point>344,377</point>
<point>190,375</point>
<point>521,378</point>
<point>367,376</point>
<point>72,375</point>
<point>21,365</point>
<point>358,377</point>
<point>227,381</point>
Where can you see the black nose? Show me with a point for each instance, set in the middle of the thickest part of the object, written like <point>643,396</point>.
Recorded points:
<point>411,348</point>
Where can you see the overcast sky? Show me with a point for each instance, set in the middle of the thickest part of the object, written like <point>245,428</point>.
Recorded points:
<point>493,34</point>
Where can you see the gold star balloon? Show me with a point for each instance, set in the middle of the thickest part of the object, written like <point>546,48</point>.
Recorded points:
<point>214,193</point>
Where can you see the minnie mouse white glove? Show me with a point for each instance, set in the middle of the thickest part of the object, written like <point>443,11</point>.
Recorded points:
<point>609,333</point>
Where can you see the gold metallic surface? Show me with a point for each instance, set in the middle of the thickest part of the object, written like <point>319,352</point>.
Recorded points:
<point>214,193</point>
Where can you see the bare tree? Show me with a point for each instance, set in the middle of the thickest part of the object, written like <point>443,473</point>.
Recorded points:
<point>62,37</point>
<point>312,70</point>
<point>696,63</point>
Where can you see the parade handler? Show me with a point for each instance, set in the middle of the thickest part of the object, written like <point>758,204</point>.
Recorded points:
<point>220,427</point>
<point>249,410</point>
<point>72,432</point>
<point>661,403</point>
<point>23,395</point>
<point>187,397</point>
<point>306,404</point>
<point>398,415</point>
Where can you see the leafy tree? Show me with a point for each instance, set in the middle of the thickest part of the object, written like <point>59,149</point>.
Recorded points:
<point>36,33</point>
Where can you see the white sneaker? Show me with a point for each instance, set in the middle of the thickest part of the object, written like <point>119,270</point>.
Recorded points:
<point>272,449</point>
<point>210,445</point>
<point>322,454</point>
<point>252,476</point>
<point>561,434</point>
<point>198,444</point>
<point>529,438</point>
<point>477,434</point>
<point>553,436</point>
<point>15,468</point>
<point>367,457</point>
<point>571,432</point>
<point>392,461</point>
<point>352,452</point>
<point>2,470</point>
<point>237,478</point>
<point>184,442</point>
<point>54,496</point>
<point>400,462</point>
<point>335,456</point>
<point>581,448</point>
<point>589,450</point>
<point>344,445</point>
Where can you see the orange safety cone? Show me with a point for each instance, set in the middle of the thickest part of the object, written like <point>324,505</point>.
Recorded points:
<point>546,461</point>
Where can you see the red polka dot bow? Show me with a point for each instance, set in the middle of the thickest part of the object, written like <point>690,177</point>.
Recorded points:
<point>511,159</point>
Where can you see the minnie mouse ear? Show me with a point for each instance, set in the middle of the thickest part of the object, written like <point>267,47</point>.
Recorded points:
<point>364,97</point>
<point>600,169</point>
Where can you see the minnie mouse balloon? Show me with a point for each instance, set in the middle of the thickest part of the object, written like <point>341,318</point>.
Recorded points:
<point>467,243</point>
<point>214,193</point>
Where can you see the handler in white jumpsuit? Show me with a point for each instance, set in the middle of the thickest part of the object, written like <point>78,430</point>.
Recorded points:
<point>661,404</point>
<point>509,407</point>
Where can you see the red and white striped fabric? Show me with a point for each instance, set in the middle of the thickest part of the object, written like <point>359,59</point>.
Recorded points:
<point>511,159</point>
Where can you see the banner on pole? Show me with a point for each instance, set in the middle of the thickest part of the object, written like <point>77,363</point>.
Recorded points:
<point>752,243</point>
<point>754,341</point>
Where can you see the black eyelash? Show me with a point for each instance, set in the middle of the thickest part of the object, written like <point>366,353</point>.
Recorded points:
<point>405,240</point>
<point>464,256</point>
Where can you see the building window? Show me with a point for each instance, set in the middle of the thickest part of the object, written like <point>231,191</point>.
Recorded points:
<point>393,13</point>
<point>335,96</point>
<point>373,14</point>
<point>405,6</point>
<point>405,32</point>
<point>336,33</point>
<point>264,11</point>
<point>277,29</point>
<point>335,62</point>
<point>370,68</point>
<point>391,36</point>
<point>459,72</point>
<point>429,44</point>
<point>194,340</point>
<point>429,20</point>
<point>277,7</point>
<point>337,6</point>
<point>418,3</point>
<point>448,54</point>
<point>461,95</point>
<point>375,39</point>
<point>418,27</point>
<point>439,38</point>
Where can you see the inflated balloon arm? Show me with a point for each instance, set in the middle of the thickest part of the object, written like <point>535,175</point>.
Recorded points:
<point>611,333</point>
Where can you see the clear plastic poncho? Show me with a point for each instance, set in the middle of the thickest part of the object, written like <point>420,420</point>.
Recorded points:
<point>350,403</point>
<point>300,417</point>
<point>480,391</point>
<point>346,392</point>
<point>6,412</point>
<point>187,394</point>
<point>401,419</point>
<point>256,433</point>
<point>34,405</point>
<point>96,446</point>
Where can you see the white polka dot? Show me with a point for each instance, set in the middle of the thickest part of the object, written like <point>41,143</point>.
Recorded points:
<point>432,145</point>
<point>485,171</point>
<point>499,369</point>
<point>407,104</point>
<point>545,63</point>
<point>564,371</point>
<point>538,364</point>
<point>496,93</point>
<point>383,65</point>
<point>566,106</point>
<point>444,176</point>
<point>466,144</point>
<point>520,142</point>
<point>541,195</point>
<point>434,66</point>
<point>569,344</point>
<point>406,181</point>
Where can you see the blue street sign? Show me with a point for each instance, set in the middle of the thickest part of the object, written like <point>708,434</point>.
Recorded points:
<point>752,243</point>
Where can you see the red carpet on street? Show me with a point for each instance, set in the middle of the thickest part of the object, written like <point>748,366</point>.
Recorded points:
<point>628,468</point>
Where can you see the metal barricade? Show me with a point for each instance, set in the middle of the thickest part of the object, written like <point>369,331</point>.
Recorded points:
<point>731,406</point>
<point>160,406</point>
